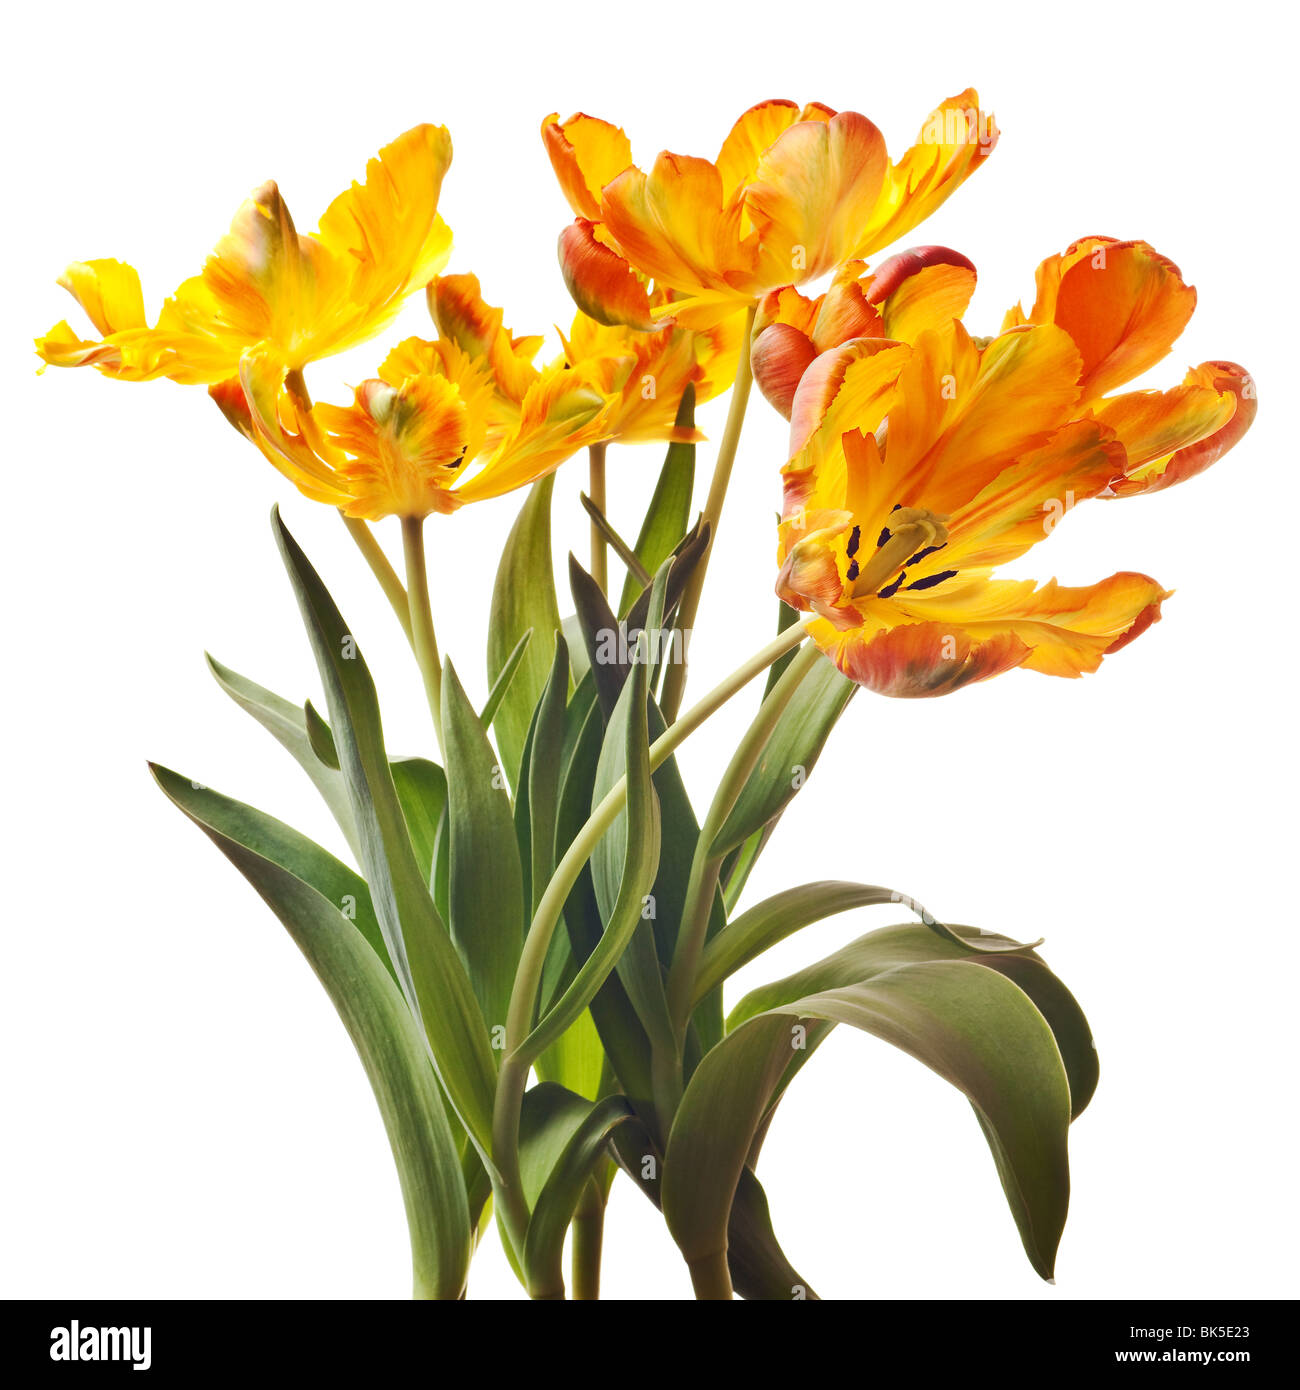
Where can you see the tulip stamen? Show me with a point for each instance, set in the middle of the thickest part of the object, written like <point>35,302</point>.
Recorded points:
<point>915,532</point>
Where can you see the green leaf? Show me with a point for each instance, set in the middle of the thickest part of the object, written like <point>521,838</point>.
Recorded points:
<point>287,724</point>
<point>422,790</point>
<point>557,1202</point>
<point>621,1035</point>
<point>425,962</point>
<point>968,1023</point>
<point>633,843</point>
<point>379,1023</point>
<point>501,685</point>
<point>523,598</point>
<point>486,885</point>
<point>790,754</point>
<point>669,512</point>
<point>775,918</point>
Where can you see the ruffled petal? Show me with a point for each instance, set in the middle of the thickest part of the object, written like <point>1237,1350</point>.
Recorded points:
<point>954,141</point>
<point>463,316</point>
<point>586,153</point>
<point>1222,380</point>
<point>109,292</point>
<point>1122,302</point>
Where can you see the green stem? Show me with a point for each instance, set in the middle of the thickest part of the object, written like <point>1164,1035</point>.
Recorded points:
<point>588,1239</point>
<point>423,638</point>
<point>675,681</point>
<point>711,1276</point>
<point>705,866</point>
<point>382,569</point>
<point>513,1077</point>
<point>596,491</point>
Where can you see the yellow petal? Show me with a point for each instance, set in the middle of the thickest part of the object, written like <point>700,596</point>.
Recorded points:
<point>586,153</point>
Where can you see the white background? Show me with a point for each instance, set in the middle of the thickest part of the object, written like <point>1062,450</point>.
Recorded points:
<point>183,1115</point>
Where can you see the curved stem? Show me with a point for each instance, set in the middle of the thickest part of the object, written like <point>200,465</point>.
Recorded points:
<point>675,681</point>
<point>588,1239</point>
<point>596,491</point>
<point>513,1076</point>
<point>421,615</point>
<point>705,866</point>
<point>382,569</point>
<point>711,1276</point>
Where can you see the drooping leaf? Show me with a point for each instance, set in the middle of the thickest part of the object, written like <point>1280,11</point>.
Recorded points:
<point>486,895</point>
<point>968,1023</point>
<point>431,975</point>
<point>381,1026</point>
<point>523,598</point>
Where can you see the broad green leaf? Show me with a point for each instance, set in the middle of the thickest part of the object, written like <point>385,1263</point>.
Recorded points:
<point>501,685</point>
<point>763,925</point>
<point>523,598</point>
<point>382,1028</point>
<point>557,1202</point>
<point>425,962</point>
<point>422,790</point>
<point>790,754</point>
<point>287,724</point>
<point>759,1268</point>
<point>669,512</point>
<point>486,885</point>
<point>632,841</point>
<point>282,845</point>
<point>968,1023</point>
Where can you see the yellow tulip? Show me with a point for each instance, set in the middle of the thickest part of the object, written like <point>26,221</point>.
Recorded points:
<point>267,289</point>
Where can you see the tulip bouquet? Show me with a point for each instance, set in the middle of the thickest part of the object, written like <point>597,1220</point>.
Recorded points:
<point>531,947</point>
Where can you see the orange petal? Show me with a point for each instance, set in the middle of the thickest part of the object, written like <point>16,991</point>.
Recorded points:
<point>1186,462</point>
<point>586,153</point>
<point>812,192</point>
<point>673,226</point>
<point>954,141</point>
<point>1068,630</point>
<point>749,139</point>
<point>603,285</point>
<point>463,316</point>
<point>917,660</point>
<point>1121,301</point>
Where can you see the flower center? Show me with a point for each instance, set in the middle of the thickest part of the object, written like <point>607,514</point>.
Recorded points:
<point>912,534</point>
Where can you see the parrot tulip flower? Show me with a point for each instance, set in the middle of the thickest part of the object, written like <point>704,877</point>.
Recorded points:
<point>426,435</point>
<point>266,288</point>
<point>793,195</point>
<point>644,374</point>
<point>918,469</point>
<point>910,292</point>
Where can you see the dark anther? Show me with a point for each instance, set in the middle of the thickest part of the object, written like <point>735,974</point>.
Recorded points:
<point>854,537</point>
<point>853,570</point>
<point>931,580</point>
<point>884,536</point>
<point>921,554</point>
<point>891,589</point>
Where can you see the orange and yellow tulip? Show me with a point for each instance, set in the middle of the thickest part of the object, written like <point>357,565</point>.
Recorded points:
<point>267,289</point>
<point>918,469</point>
<point>435,429</point>
<point>792,195</point>
<point>643,373</point>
